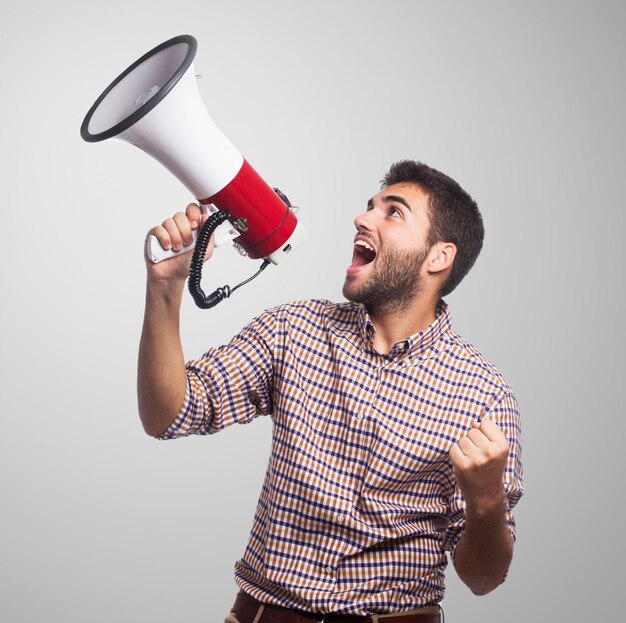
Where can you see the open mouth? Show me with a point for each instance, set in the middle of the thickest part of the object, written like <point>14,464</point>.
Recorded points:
<point>364,254</point>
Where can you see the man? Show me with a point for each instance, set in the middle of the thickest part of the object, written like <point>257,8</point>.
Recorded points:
<point>394,440</point>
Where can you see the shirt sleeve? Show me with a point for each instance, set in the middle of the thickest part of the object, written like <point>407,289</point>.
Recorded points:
<point>231,384</point>
<point>505,413</point>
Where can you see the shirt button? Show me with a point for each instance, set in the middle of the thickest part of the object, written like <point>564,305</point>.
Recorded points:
<point>359,416</point>
<point>340,518</point>
<point>329,569</point>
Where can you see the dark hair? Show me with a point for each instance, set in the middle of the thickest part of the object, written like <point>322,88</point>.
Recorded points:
<point>454,215</point>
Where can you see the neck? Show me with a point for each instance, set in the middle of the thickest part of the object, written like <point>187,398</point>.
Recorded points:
<point>395,325</point>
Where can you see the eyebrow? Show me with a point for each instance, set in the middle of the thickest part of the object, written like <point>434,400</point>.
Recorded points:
<point>391,199</point>
<point>402,200</point>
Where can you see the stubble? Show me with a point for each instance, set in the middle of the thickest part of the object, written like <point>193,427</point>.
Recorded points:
<point>393,284</point>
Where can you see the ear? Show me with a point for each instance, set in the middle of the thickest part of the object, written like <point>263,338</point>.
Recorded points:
<point>441,257</point>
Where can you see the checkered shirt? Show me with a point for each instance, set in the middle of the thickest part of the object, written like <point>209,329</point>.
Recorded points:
<point>359,502</point>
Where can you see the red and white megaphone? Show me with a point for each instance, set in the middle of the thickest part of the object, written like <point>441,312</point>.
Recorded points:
<point>155,104</point>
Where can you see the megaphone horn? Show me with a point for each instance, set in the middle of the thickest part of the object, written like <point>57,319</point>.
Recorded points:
<point>155,105</point>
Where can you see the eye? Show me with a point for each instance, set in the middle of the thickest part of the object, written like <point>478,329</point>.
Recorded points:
<point>393,211</point>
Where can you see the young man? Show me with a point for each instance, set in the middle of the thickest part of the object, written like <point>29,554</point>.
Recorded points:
<point>394,440</point>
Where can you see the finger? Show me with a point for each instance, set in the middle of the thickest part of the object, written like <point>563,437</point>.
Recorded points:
<point>491,430</point>
<point>194,214</point>
<point>174,233</point>
<point>184,227</point>
<point>456,455</point>
<point>467,446</point>
<point>162,236</point>
<point>479,439</point>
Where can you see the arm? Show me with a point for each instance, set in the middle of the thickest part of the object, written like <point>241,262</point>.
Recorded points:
<point>161,374</point>
<point>485,550</point>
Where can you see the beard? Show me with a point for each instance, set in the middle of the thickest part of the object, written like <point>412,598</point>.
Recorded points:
<point>393,284</point>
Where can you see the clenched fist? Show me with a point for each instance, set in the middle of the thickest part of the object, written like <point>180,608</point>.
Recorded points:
<point>176,233</point>
<point>478,461</point>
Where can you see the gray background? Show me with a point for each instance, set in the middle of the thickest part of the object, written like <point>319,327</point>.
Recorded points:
<point>521,102</point>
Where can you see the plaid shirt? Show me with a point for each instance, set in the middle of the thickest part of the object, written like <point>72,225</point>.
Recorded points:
<point>359,502</point>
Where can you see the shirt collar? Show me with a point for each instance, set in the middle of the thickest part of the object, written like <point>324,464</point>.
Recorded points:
<point>415,345</point>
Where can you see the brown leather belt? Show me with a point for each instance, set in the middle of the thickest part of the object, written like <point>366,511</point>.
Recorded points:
<point>249,610</point>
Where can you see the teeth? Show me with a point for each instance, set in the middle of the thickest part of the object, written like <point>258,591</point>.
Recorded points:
<point>362,243</point>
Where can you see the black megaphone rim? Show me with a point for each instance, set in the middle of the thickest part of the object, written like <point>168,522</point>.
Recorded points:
<point>127,122</point>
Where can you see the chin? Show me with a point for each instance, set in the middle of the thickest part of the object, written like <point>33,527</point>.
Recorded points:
<point>351,291</point>
<point>347,289</point>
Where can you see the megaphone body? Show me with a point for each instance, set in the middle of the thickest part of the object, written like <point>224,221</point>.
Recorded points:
<point>155,105</point>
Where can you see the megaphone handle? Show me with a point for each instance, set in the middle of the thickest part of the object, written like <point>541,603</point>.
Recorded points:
<point>156,253</point>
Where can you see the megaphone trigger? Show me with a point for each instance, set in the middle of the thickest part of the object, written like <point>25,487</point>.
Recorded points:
<point>225,232</point>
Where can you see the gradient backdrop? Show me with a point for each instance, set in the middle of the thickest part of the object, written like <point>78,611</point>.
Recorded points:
<point>521,102</point>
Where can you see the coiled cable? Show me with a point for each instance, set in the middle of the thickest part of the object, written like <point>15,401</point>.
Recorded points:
<point>197,261</point>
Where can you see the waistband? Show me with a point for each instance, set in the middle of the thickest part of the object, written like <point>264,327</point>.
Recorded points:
<point>247,609</point>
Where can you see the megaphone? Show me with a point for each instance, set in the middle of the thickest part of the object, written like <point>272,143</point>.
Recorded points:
<point>155,105</point>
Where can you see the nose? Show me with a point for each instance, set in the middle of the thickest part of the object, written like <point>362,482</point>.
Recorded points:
<point>364,221</point>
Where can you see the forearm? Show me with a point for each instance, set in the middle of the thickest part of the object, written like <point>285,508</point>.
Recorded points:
<point>161,374</point>
<point>484,553</point>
